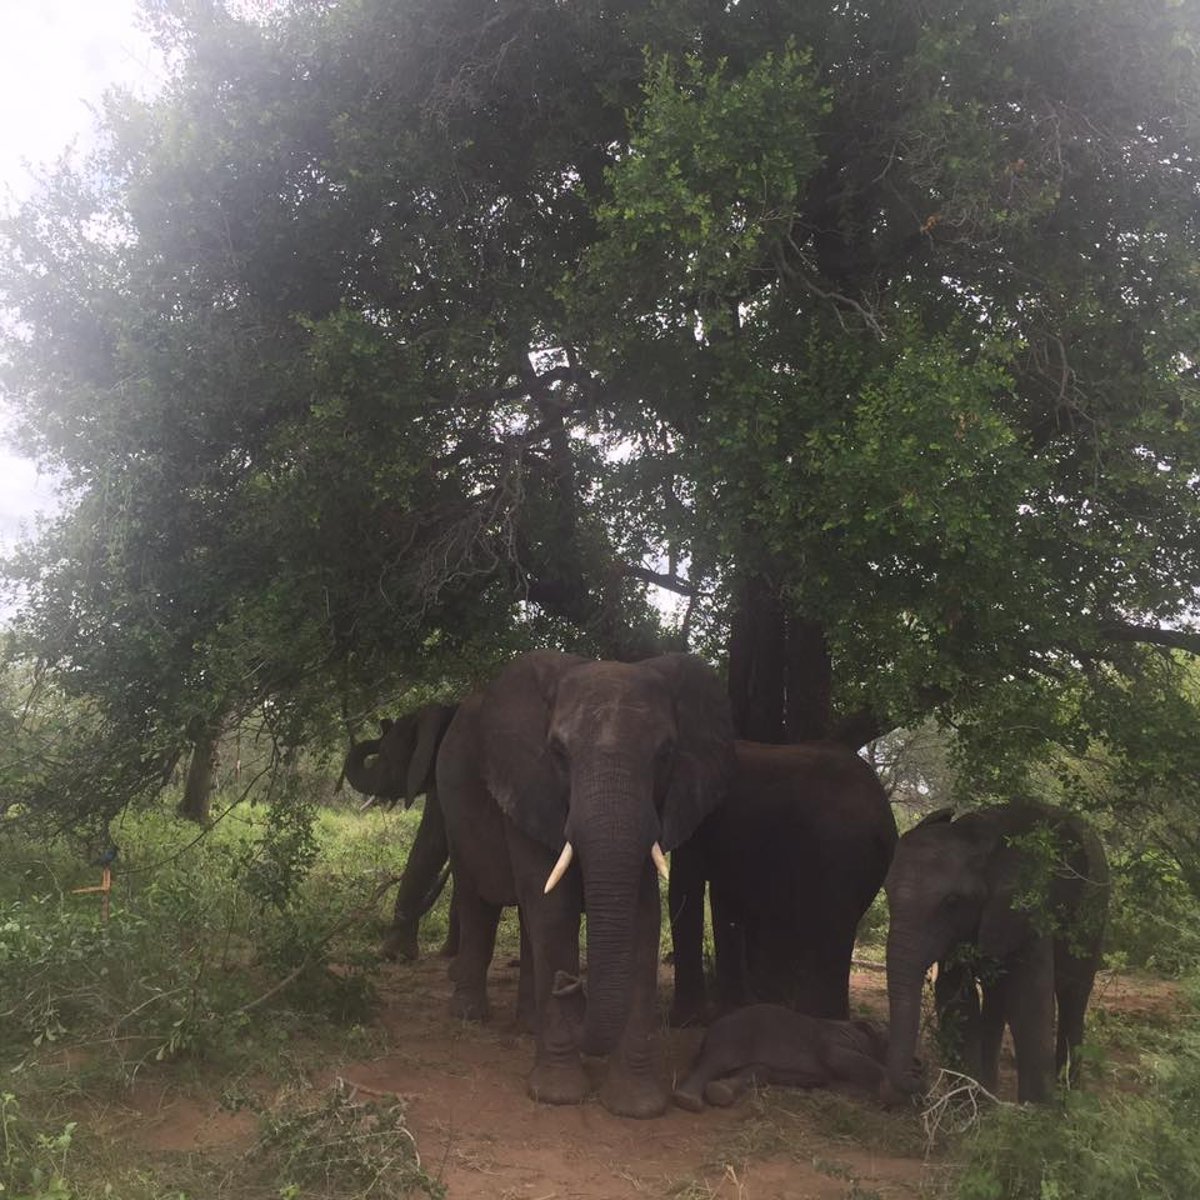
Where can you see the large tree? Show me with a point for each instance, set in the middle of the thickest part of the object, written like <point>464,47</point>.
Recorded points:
<point>392,336</point>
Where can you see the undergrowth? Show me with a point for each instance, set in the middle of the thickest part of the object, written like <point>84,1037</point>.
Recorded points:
<point>208,945</point>
<point>1117,1146</point>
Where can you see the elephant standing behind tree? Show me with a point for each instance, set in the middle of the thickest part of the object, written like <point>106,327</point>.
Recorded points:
<point>401,765</point>
<point>1015,896</point>
<point>569,776</point>
<point>794,857</point>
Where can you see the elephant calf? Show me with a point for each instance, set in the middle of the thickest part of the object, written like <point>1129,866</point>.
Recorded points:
<point>767,1043</point>
<point>1010,902</point>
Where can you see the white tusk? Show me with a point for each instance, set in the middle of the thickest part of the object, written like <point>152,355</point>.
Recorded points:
<point>560,869</point>
<point>660,859</point>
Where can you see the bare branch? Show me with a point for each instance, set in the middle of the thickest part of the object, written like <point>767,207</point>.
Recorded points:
<point>672,583</point>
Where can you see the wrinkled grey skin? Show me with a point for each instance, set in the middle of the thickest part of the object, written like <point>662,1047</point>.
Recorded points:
<point>794,858</point>
<point>612,757</point>
<point>400,765</point>
<point>975,896</point>
<point>767,1043</point>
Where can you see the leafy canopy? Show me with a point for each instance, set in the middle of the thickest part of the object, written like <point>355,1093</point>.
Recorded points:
<point>393,337</point>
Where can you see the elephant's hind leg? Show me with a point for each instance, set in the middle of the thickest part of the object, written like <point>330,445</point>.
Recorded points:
<point>713,1061</point>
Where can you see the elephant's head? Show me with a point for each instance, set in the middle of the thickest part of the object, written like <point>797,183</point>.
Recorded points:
<point>399,764</point>
<point>609,763</point>
<point>950,883</point>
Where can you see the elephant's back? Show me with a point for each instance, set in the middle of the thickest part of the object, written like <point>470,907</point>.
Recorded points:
<point>817,785</point>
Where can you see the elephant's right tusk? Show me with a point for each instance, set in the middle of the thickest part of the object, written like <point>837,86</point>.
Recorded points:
<point>560,869</point>
<point>660,859</point>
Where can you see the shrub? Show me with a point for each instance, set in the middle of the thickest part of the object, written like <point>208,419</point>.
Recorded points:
<point>1123,1147</point>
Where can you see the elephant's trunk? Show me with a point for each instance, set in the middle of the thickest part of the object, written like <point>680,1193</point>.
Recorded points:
<point>364,777</point>
<point>906,968</point>
<point>617,827</point>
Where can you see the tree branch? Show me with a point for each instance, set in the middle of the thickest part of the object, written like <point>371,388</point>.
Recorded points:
<point>672,582</point>
<point>1151,635</point>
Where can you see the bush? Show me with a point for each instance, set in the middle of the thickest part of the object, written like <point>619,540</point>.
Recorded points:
<point>335,1145</point>
<point>33,1162</point>
<point>201,927</point>
<point>1154,920</point>
<point>1118,1148</point>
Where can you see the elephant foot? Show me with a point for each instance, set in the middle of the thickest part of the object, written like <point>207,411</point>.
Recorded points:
<point>558,1082</point>
<point>891,1096</point>
<point>625,1095</point>
<point>400,945</point>
<point>720,1093</point>
<point>468,1006</point>
<point>692,1101</point>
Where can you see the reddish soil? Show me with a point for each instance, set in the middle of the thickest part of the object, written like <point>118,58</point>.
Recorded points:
<point>464,1086</point>
<point>477,1129</point>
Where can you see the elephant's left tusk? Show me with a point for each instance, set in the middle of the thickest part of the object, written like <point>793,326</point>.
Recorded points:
<point>660,859</point>
<point>560,869</point>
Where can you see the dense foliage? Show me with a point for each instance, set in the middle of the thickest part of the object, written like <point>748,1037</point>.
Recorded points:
<point>393,336</point>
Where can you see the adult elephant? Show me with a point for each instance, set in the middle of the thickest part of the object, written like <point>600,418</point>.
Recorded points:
<point>399,765</point>
<point>569,777</point>
<point>794,858</point>
<point>1015,897</point>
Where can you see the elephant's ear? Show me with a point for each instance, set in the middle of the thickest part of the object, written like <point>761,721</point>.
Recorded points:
<point>704,764</point>
<point>1006,924</point>
<point>517,765</point>
<point>432,722</point>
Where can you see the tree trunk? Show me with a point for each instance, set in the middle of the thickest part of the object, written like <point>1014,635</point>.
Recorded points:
<point>809,681</point>
<point>197,788</point>
<point>757,641</point>
<point>780,673</point>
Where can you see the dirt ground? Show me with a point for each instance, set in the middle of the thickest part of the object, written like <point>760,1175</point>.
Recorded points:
<point>482,1137</point>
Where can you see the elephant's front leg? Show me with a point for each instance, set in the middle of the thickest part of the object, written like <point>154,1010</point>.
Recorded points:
<point>956,999</point>
<point>1030,1007</point>
<point>418,882</point>
<point>685,902</point>
<point>550,941</point>
<point>633,1087</point>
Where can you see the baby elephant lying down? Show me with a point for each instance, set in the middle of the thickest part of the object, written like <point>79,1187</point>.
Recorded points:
<point>766,1043</point>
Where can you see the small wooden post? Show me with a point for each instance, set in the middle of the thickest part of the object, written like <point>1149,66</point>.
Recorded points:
<point>105,890</point>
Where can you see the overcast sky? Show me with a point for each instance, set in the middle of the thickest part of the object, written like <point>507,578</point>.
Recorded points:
<point>57,57</point>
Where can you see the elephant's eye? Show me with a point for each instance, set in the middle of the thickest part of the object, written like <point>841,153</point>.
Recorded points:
<point>665,750</point>
<point>558,749</point>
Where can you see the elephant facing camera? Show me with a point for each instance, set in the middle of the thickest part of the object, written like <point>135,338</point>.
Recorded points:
<point>568,776</point>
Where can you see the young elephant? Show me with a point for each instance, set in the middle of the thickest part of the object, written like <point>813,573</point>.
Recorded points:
<point>1014,897</point>
<point>767,1043</point>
